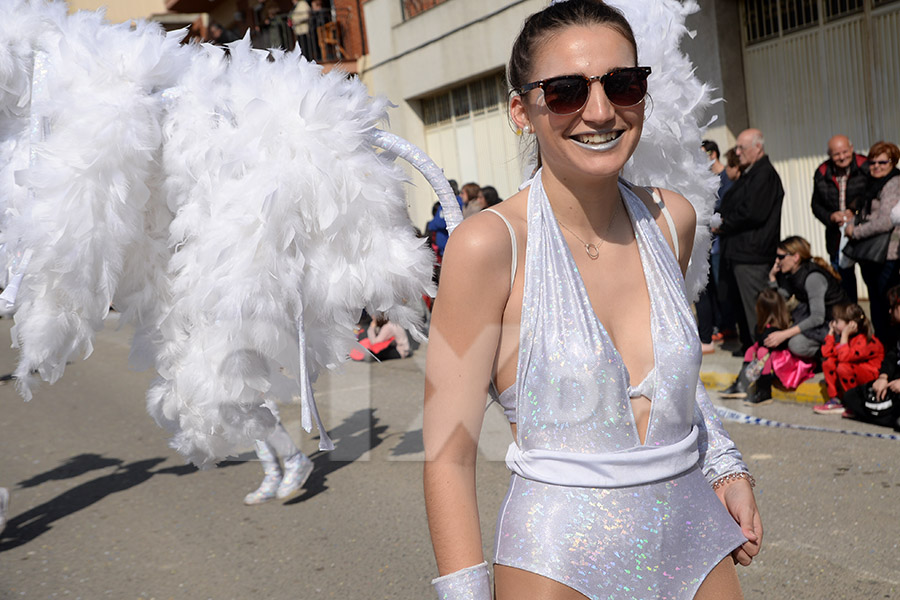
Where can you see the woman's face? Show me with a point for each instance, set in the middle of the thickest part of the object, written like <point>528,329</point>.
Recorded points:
<point>597,140</point>
<point>787,262</point>
<point>880,165</point>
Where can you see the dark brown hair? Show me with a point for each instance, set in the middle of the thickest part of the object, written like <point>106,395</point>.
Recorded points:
<point>732,159</point>
<point>853,312</point>
<point>771,310</point>
<point>540,26</point>
<point>893,296</point>
<point>799,246</point>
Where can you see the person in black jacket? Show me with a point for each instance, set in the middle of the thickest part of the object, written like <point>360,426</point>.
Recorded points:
<point>751,227</point>
<point>839,191</point>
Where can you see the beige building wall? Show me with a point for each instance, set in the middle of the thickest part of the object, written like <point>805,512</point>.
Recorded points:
<point>448,45</point>
<point>119,11</point>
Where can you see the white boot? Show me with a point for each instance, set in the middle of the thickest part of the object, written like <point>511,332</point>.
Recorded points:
<point>297,470</point>
<point>269,486</point>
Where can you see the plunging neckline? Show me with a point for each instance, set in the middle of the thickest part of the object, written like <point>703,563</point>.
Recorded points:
<point>582,289</point>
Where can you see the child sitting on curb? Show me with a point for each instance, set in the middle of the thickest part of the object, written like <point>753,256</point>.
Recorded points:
<point>850,362</point>
<point>879,403</point>
<point>763,364</point>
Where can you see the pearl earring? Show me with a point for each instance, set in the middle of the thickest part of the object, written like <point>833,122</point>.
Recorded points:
<point>526,129</point>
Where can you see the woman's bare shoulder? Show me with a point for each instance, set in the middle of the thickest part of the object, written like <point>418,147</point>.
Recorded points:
<point>482,241</point>
<point>487,233</point>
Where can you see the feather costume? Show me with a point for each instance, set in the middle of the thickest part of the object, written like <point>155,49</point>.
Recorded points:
<point>233,208</point>
<point>669,153</point>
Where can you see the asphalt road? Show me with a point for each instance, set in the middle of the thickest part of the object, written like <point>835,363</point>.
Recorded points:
<point>102,508</point>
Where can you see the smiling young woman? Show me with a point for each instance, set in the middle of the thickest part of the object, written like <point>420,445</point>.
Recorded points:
<point>600,383</point>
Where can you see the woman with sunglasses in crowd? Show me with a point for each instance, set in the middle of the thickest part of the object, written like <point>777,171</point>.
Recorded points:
<point>605,499</point>
<point>883,194</point>
<point>816,286</point>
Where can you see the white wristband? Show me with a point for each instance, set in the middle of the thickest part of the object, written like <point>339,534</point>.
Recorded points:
<point>471,583</point>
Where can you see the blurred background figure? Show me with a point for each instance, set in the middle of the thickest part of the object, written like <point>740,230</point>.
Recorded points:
<point>384,341</point>
<point>839,191</point>
<point>491,197</point>
<point>874,224</point>
<point>750,229</point>
<point>471,199</point>
<point>300,16</point>
<point>220,35</point>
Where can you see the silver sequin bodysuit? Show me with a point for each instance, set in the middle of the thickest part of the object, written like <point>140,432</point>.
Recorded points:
<point>589,505</point>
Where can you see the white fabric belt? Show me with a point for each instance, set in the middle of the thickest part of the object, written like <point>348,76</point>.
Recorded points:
<point>635,466</point>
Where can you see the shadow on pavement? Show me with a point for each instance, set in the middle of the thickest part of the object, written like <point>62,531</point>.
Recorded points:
<point>74,467</point>
<point>359,433</point>
<point>27,526</point>
<point>411,442</point>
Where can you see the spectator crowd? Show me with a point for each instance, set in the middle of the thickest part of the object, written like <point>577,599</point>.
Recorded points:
<point>793,313</point>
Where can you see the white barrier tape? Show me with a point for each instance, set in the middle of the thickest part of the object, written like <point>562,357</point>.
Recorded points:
<point>739,417</point>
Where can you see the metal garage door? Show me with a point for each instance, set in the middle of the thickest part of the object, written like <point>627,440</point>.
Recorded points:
<point>815,68</point>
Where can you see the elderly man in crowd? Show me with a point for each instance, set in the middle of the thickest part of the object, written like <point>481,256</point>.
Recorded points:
<point>751,227</point>
<point>839,187</point>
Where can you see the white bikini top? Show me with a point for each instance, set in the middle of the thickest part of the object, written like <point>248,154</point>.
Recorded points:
<point>647,387</point>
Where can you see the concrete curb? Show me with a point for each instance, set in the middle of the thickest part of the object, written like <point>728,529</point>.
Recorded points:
<point>809,392</point>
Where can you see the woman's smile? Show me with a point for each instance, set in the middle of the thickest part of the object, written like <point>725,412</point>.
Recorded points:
<point>598,142</point>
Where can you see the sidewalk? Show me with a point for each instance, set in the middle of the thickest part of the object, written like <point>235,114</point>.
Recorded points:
<point>719,370</point>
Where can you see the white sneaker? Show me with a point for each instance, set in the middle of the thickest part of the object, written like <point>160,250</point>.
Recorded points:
<point>266,490</point>
<point>4,506</point>
<point>297,470</point>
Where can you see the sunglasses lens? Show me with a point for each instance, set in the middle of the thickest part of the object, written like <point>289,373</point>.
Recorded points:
<point>565,95</point>
<point>568,94</point>
<point>626,87</point>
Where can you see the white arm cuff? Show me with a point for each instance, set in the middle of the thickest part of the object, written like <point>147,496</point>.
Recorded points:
<point>471,583</point>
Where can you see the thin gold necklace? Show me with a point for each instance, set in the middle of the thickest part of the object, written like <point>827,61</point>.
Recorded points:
<point>593,250</point>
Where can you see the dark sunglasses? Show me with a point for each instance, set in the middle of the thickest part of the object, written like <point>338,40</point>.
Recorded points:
<point>568,94</point>
<point>880,162</point>
<point>781,256</point>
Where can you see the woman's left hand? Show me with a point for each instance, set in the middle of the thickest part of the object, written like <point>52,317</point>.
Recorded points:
<point>776,338</point>
<point>738,498</point>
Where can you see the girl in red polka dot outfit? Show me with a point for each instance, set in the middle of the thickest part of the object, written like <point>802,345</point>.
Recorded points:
<point>852,355</point>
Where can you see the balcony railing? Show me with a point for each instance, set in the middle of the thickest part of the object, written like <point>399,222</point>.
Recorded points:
<point>324,36</point>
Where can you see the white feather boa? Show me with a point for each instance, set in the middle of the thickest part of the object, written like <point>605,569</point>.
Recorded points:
<point>285,216</point>
<point>84,192</point>
<point>231,207</point>
<point>669,154</point>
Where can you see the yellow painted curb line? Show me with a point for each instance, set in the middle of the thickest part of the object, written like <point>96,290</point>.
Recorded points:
<point>810,392</point>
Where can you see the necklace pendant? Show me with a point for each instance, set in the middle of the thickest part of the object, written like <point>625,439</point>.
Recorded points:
<point>593,251</point>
